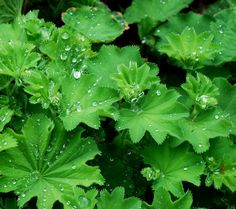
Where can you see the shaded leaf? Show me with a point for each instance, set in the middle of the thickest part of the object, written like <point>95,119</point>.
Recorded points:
<point>166,8</point>
<point>162,200</point>
<point>117,200</point>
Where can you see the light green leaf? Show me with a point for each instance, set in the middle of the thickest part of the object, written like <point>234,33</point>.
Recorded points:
<point>10,9</point>
<point>97,23</point>
<point>175,165</point>
<point>117,200</point>
<point>227,100</point>
<point>16,58</point>
<point>133,80</point>
<point>191,50</point>
<point>105,64</point>
<point>47,163</point>
<point>82,100</point>
<point>7,141</point>
<point>201,90</point>
<point>158,113</point>
<point>208,124</point>
<point>162,200</point>
<point>81,199</point>
<point>166,8</point>
<point>5,116</point>
<point>221,164</point>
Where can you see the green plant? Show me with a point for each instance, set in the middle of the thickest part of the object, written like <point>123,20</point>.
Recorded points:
<point>86,124</point>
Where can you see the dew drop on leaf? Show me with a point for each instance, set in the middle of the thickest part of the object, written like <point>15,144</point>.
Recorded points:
<point>67,48</point>
<point>185,169</point>
<point>74,60</point>
<point>77,74</point>
<point>83,201</point>
<point>63,56</point>
<point>65,36</point>
<point>200,145</point>
<point>217,117</point>
<point>73,167</point>
<point>158,93</point>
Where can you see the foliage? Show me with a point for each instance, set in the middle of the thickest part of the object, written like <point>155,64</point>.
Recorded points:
<point>117,104</point>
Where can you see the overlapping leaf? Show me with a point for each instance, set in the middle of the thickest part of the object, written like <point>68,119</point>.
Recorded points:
<point>158,113</point>
<point>7,141</point>
<point>47,163</point>
<point>10,9</point>
<point>158,10</point>
<point>105,64</point>
<point>175,165</point>
<point>82,99</point>
<point>221,164</point>
<point>208,124</point>
<point>162,200</point>
<point>227,100</point>
<point>97,23</point>
<point>117,200</point>
<point>191,50</point>
<point>5,116</point>
<point>133,80</point>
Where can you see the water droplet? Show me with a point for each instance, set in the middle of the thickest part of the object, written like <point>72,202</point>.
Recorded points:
<point>156,130</point>
<point>158,92</point>
<point>217,117</point>
<point>68,202</point>
<point>13,182</point>
<point>65,36</point>
<point>23,195</point>
<point>185,169</point>
<point>200,145</point>
<point>141,94</point>
<point>77,74</point>
<point>63,56</point>
<point>221,31</point>
<point>73,167</point>
<point>74,60</point>
<point>67,48</point>
<point>94,104</point>
<point>111,159</point>
<point>83,201</point>
<point>133,100</point>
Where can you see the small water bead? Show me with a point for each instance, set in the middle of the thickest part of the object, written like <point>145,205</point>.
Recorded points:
<point>221,31</point>
<point>74,60</point>
<point>185,169</point>
<point>65,36</point>
<point>73,167</point>
<point>158,92</point>
<point>141,94</point>
<point>217,117</point>
<point>63,56</point>
<point>133,100</point>
<point>23,195</point>
<point>77,74</point>
<point>67,48</point>
<point>83,201</point>
<point>94,104</point>
<point>200,145</point>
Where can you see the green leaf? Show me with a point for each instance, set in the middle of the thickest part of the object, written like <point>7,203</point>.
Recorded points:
<point>10,9</point>
<point>157,113</point>
<point>117,200</point>
<point>8,203</point>
<point>162,200</point>
<point>221,164</point>
<point>201,90</point>
<point>104,68</point>
<point>97,23</point>
<point>166,8</point>
<point>225,33</point>
<point>82,99</point>
<point>206,125</point>
<point>227,100</point>
<point>133,80</point>
<point>47,163</point>
<point>177,24</point>
<point>191,50</point>
<point>16,58</point>
<point>7,141</point>
<point>175,165</point>
<point>5,116</point>
<point>81,199</point>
